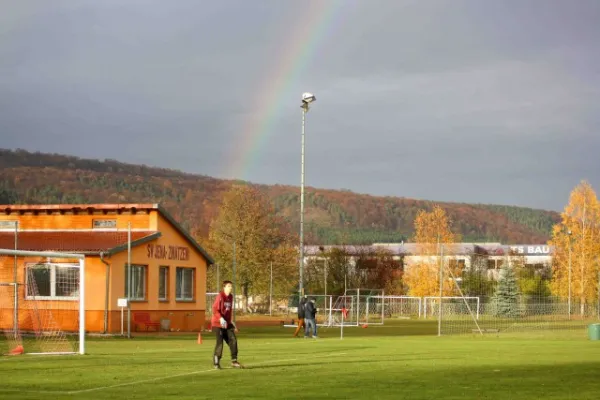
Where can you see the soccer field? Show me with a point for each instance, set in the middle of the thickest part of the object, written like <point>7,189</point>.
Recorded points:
<point>389,362</point>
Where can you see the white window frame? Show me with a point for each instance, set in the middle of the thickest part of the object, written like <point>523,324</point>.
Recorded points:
<point>145,285</point>
<point>53,267</point>
<point>177,283</point>
<point>166,271</point>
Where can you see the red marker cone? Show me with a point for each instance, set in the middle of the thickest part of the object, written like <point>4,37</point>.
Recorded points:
<point>17,350</point>
<point>199,337</point>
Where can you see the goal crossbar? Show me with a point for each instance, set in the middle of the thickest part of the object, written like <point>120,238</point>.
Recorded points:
<point>28,253</point>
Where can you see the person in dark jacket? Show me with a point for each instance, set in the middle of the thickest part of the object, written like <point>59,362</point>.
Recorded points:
<point>301,323</point>
<point>310,318</point>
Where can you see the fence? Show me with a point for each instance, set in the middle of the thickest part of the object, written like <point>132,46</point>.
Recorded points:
<point>459,314</point>
<point>357,309</point>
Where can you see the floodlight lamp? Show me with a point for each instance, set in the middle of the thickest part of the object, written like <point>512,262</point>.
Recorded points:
<point>308,98</point>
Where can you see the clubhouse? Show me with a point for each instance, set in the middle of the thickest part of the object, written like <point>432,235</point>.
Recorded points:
<point>168,266</point>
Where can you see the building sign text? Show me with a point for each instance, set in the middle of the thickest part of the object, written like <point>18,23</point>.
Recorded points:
<point>531,250</point>
<point>9,224</point>
<point>104,223</point>
<point>163,252</point>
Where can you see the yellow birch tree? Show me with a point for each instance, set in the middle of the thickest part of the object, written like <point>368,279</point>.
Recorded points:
<point>577,238</point>
<point>432,234</point>
<point>247,218</point>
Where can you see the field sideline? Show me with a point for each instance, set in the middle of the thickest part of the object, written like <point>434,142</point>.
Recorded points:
<point>390,362</point>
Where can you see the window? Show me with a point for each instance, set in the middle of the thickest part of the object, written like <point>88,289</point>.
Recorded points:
<point>457,264</point>
<point>163,283</point>
<point>53,281</point>
<point>138,282</point>
<point>185,284</point>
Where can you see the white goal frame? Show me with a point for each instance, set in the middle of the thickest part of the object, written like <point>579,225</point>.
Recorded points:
<point>464,299</point>
<point>388,297</point>
<point>52,254</point>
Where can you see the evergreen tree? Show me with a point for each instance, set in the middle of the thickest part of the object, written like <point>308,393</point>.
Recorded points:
<point>506,298</point>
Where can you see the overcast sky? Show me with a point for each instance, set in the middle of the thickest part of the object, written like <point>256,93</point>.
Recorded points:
<point>468,101</point>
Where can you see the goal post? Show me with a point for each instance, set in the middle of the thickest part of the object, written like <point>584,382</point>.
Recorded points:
<point>42,307</point>
<point>364,308</point>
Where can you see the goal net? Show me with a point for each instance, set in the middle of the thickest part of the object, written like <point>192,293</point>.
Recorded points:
<point>394,307</point>
<point>451,307</point>
<point>41,303</point>
<point>345,311</point>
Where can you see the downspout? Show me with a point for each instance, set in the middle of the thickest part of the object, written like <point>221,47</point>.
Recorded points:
<point>107,291</point>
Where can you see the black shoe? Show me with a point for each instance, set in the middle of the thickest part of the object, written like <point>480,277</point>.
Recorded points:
<point>217,366</point>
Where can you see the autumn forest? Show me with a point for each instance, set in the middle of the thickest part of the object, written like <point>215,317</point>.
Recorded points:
<point>331,216</point>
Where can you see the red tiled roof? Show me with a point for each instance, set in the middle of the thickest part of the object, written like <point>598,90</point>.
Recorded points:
<point>71,241</point>
<point>68,207</point>
<point>132,207</point>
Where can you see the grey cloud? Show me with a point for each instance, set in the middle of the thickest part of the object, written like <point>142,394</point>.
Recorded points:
<point>461,100</point>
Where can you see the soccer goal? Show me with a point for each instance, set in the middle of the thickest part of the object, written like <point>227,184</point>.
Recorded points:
<point>451,306</point>
<point>42,302</point>
<point>392,307</point>
<point>366,312</point>
<point>345,311</point>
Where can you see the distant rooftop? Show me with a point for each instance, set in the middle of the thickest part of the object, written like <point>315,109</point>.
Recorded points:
<point>488,248</point>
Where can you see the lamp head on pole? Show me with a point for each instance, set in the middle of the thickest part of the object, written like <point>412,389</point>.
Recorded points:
<point>307,98</point>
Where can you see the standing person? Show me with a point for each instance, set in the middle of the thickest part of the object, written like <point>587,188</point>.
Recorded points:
<point>301,306</point>
<point>310,318</point>
<point>223,327</point>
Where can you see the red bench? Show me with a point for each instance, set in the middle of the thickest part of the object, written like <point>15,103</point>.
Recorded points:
<point>143,318</point>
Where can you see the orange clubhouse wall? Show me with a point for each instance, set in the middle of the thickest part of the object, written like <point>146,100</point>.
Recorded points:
<point>183,315</point>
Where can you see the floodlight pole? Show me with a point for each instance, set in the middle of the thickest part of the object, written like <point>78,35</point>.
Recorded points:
<point>569,300</point>
<point>129,280</point>
<point>441,255</point>
<point>218,283</point>
<point>271,291</point>
<point>233,289</point>
<point>598,300</point>
<point>16,286</point>
<point>325,284</point>
<point>304,106</point>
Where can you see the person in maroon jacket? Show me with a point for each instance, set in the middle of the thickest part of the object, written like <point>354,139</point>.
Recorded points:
<point>223,327</point>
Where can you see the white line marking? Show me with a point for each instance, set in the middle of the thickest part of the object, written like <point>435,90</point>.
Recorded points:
<point>191,373</point>
<point>33,391</point>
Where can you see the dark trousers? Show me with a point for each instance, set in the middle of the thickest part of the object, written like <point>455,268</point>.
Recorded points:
<point>227,335</point>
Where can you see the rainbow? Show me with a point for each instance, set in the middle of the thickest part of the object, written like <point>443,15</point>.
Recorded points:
<point>301,46</point>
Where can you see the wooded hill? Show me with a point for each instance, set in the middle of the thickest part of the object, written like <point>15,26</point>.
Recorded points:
<point>332,216</point>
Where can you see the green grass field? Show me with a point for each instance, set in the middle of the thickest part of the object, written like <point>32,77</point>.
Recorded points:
<point>403,361</point>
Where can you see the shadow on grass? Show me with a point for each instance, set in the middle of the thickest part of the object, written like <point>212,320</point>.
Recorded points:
<point>374,360</point>
<point>563,381</point>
